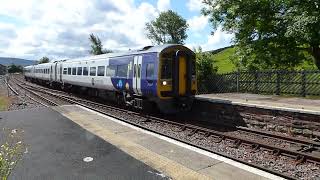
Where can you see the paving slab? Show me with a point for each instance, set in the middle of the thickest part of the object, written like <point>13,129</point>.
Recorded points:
<point>150,142</point>
<point>57,147</point>
<point>177,160</point>
<point>192,159</point>
<point>226,171</point>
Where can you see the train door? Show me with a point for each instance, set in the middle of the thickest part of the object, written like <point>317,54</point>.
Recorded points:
<point>137,61</point>
<point>182,74</point>
<point>55,72</point>
<point>60,72</point>
<point>51,72</point>
<point>148,80</point>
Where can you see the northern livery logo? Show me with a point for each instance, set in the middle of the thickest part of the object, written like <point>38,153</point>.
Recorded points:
<point>119,84</point>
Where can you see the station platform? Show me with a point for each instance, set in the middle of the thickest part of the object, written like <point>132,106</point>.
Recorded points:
<point>60,138</point>
<point>293,104</point>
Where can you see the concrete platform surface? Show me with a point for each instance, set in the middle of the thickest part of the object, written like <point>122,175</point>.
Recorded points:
<point>57,147</point>
<point>294,104</point>
<point>175,159</point>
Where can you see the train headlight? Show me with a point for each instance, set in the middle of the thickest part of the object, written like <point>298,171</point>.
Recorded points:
<point>164,83</point>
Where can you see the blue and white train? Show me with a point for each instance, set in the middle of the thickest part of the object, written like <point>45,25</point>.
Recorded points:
<point>163,76</point>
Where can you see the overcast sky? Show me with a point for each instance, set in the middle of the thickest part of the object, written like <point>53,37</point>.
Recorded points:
<point>60,28</point>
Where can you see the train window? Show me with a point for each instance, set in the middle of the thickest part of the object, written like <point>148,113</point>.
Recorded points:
<point>122,70</point>
<point>79,71</point>
<point>111,70</point>
<point>85,71</point>
<point>74,71</point>
<point>101,70</point>
<point>166,68</point>
<point>65,71</point>
<point>69,71</point>
<point>150,70</point>
<point>139,70</point>
<point>92,71</point>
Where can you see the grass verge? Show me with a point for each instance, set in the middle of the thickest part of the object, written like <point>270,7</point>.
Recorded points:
<point>4,103</point>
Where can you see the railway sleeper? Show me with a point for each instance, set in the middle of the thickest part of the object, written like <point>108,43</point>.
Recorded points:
<point>193,132</point>
<point>309,148</point>
<point>299,160</point>
<point>255,147</point>
<point>219,139</point>
<point>236,143</point>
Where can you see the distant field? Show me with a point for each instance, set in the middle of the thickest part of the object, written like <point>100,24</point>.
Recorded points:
<point>225,65</point>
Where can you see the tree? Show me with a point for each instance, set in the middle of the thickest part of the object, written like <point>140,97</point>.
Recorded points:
<point>43,60</point>
<point>169,27</point>
<point>205,68</point>
<point>14,68</point>
<point>269,33</point>
<point>303,25</point>
<point>96,46</point>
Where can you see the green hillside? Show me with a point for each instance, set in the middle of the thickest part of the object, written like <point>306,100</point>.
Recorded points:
<point>224,64</point>
<point>223,61</point>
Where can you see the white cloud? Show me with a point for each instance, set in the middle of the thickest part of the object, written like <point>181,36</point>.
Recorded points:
<point>61,28</point>
<point>163,5</point>
<point>195,5</point>
<point>218,40</point>
<point>198,23</point>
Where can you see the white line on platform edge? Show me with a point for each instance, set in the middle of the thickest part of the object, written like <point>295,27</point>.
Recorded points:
<point>192,148</point>
<point>263,106</point>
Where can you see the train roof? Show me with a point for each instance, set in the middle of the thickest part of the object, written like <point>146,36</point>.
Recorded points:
<point>147,49</point>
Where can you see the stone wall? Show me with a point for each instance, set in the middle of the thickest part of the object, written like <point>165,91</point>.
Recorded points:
<point>225,113</point>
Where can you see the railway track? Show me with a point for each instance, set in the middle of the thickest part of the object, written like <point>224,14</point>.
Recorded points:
<point>287,150</point>
<point>15,92</point>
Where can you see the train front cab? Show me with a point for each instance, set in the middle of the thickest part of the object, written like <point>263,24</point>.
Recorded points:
<point>177,84</point>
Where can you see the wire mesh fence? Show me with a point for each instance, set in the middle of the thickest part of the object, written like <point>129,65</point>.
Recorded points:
<point>300,83</point>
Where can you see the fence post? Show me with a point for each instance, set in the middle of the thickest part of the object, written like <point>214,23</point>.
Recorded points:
<point>303,83</point>
<point>278,83</point>
<point>256,76</point>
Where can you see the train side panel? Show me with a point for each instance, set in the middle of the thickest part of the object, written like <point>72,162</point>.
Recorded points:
<point>87,74</point>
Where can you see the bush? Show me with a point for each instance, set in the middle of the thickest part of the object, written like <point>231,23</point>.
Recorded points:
<point>206,69</point>
<point>14,68</point>
<point>11,151</point>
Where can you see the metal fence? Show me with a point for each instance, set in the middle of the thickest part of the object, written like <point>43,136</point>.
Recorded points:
<point>300,83</point>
